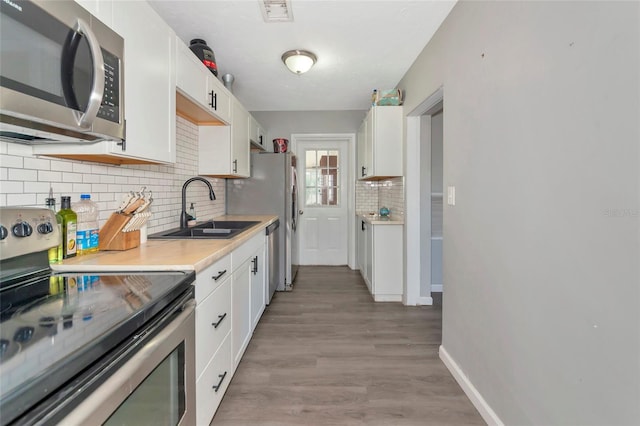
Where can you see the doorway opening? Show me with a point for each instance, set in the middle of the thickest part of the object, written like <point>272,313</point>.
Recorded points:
<point>424,195</point>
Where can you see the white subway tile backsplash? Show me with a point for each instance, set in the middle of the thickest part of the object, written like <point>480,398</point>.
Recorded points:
<point>107,179</point>
<point>82,167</point>
<point>27,180</point>
<point>72,177</point>
<point>81,188</point>
<point>61,165</point>
<point>21,199</point>
<point>18,149</point>
<point>37,164</point>
<point>46,176</point>
<point>98,188</point>
<point>11,161</point>
<point>12,187</point>
<point>22,175</point>
<point>99,169</point>
<point>33,187</point>
<point>370,196</point>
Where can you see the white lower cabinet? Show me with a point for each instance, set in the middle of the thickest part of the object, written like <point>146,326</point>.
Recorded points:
<point>380,259</point>
<point>213,320</point>
<point>258,290</point>
<point>241,311</point>
<point>242,294</point>
<point>212,384</point>
<point>226,315</point>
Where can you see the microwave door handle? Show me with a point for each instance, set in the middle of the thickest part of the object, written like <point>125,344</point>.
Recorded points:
<point>86,118</point>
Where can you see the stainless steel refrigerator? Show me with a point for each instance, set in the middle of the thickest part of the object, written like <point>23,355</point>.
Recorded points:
<point>271,189</point>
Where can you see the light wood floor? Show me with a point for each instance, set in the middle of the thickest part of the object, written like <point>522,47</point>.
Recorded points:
<point>326,354</point>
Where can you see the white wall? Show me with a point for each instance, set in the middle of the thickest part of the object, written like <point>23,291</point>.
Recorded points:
<point>541,251</point>
<point>25,181</point>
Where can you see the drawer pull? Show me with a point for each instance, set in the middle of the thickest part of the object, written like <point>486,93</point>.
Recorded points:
<point>220,273</point>
<point>220,318</point>
<point>222,376</point>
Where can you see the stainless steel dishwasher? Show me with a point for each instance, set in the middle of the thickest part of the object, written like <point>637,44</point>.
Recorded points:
<point>273,258</point>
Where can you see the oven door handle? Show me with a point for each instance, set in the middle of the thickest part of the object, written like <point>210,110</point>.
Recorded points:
<point>100,404</point>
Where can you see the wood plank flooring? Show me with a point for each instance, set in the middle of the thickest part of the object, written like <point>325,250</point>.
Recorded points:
<point>326,354</point>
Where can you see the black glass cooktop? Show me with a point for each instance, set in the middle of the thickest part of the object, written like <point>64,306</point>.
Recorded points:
<point>62,321</point>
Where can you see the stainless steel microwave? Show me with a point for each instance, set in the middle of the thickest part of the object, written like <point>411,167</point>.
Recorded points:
<point>61,74</point>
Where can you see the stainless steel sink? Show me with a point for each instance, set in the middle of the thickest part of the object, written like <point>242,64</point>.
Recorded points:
<point>218,229</point>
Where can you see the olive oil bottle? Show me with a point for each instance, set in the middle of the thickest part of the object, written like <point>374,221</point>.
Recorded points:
<point>69,228</point>
<point>55,253</point>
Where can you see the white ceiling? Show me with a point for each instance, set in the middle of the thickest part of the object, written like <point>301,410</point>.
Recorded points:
<point>360,45</point>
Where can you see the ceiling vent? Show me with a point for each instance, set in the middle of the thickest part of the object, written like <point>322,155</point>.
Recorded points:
<point>276,10</point>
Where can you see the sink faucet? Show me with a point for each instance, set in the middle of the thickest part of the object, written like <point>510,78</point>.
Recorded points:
<point>183,214</point>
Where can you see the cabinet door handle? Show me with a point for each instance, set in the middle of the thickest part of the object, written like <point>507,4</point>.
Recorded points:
<point>220,273</point>
<point>260,139</point>
<point>255,265</point>
<point>235,166</point>
<point>214,100</point>
<point>220,319</point>
<point>222,376</point>
<point>362,222</point>
<point>364,171</point>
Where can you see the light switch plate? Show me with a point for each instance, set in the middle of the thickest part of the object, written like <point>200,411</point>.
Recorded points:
<point>451,195</point>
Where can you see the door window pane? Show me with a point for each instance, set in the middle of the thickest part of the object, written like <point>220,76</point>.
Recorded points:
<point>311,160</point>
<point>311,197</point>
<point>322,178</point>
<point>311,176</point>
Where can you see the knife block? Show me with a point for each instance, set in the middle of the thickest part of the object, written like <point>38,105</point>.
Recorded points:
<point>112,237</point>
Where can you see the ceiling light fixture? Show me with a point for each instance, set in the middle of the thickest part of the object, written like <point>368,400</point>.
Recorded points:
<point>299,61</point>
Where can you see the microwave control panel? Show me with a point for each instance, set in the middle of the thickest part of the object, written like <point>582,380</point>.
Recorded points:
<point>110,108</point>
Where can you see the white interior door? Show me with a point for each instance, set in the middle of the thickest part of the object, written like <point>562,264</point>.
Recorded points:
<point>323,204</point>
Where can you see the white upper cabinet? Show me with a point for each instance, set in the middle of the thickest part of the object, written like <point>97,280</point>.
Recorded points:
<point>103,10</point>
<point>380,144</point>
<point>149,89</point>
<point>361,151</point>
<point>223,151</point>
<point>257,135</point>
<point>201,97</point>
<point>240,140</point>
<point>149,81</point>
<point>219,98</point>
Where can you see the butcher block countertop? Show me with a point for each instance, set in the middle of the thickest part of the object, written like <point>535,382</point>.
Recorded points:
<point>167,255</point>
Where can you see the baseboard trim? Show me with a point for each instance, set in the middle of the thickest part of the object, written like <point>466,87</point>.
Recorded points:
<point>436,288</point>
<point>423,300</point>
<point>472,393</point>
<point>387,297</point>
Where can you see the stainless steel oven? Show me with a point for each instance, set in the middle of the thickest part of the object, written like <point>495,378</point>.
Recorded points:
<point>90,348</point>
<point>61,74</point>
<point>155,386</point>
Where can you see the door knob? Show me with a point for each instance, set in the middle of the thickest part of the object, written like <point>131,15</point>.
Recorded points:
<point>301,212</point>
